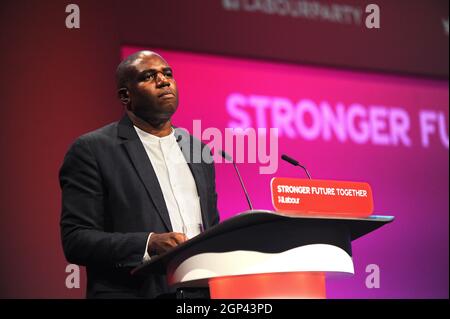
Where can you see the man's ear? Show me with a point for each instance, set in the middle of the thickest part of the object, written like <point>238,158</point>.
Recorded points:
<point>124,96</point>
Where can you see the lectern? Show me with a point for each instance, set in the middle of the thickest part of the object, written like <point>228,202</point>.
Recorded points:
<point>265,254</point>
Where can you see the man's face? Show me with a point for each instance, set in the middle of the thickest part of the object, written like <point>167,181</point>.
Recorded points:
<point>153,90</point>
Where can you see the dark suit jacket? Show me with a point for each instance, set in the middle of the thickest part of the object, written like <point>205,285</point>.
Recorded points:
<point>111,201</point>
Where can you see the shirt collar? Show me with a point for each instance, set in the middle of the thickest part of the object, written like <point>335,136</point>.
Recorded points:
<point>153,139</point>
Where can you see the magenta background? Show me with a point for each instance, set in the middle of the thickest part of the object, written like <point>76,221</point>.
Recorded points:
<point>410,183</point>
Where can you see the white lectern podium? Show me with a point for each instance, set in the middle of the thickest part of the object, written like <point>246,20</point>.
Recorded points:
<point>265,254</point>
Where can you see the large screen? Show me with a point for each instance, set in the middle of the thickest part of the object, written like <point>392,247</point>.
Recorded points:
<point>389,131</point>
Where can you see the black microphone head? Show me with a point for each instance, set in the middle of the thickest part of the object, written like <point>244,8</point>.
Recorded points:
<point>289,160</point>
<point>225,155</point>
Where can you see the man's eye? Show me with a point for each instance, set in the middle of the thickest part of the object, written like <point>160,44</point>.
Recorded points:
<point>149,76</point>
<point>168,74</point>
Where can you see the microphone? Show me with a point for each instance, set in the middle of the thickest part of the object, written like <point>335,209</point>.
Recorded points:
<point>292,161</point>
<point>229,158</point>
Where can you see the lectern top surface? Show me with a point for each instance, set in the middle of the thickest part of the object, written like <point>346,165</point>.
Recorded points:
<point>250,221</point>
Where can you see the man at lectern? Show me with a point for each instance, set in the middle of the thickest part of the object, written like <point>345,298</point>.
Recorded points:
<point>130,190</point>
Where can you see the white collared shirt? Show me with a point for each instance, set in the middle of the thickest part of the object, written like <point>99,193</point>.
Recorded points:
<point>176,182</point>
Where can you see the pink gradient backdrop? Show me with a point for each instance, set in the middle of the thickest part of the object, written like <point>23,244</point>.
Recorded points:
<point>410,183</point>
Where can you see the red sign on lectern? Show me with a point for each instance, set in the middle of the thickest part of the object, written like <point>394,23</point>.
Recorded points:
<point>321,197</point>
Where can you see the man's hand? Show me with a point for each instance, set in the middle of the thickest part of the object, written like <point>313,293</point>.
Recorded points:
<point>160,243</point>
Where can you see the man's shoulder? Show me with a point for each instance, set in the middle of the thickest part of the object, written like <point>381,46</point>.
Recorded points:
<point>98,138</point>
<point>192,147</point>
<point>102,134</point>
<point>183,135</point>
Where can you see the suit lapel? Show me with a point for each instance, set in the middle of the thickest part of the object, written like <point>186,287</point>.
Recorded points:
<point>200,181</point>
<point>188,146</point>
<point>143,166</point>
